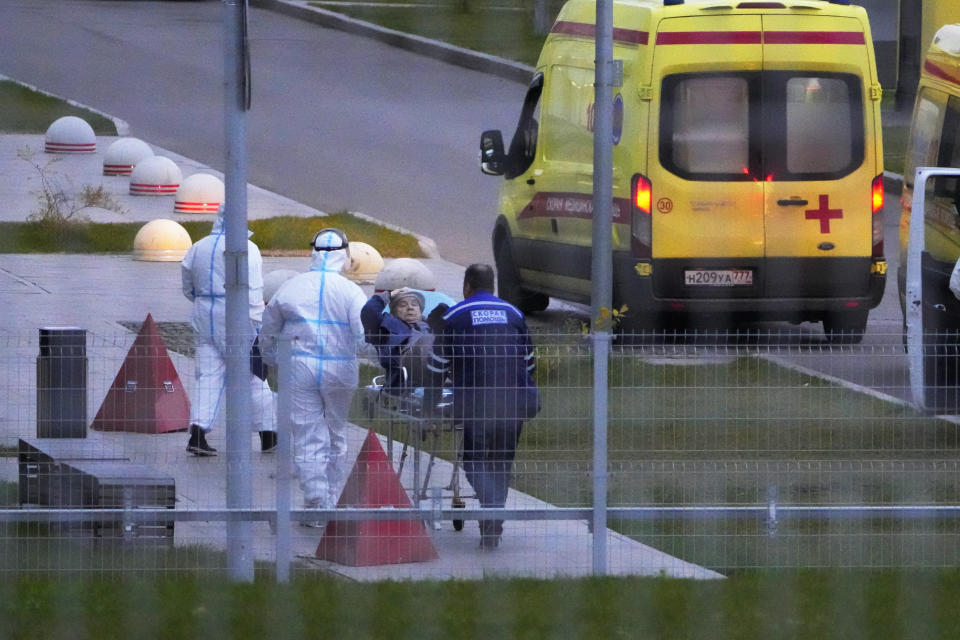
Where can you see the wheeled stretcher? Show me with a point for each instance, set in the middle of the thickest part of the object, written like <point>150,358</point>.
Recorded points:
<point>402,409</point>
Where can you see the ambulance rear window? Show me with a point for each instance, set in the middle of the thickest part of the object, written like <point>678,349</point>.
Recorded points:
<point>711,124</point>
<point>772,125</point>
<point>822,125</point>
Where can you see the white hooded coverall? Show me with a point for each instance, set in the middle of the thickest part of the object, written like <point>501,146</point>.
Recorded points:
<point>318,312</point>
<point>202,274</point>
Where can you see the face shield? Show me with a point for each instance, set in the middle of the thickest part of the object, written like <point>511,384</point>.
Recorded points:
<point>330,250</point>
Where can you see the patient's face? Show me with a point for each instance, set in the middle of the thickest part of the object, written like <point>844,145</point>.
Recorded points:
<point>408,311</point>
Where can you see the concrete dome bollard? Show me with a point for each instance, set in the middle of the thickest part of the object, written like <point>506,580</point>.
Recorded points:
<point>161,241</point>
<point>365,262</point>
<point>155,176</point>
<point>404,272</point>
<point>274,280</point>
<point>199,193</point>
<point>70,134</point>
<point>123,155</point>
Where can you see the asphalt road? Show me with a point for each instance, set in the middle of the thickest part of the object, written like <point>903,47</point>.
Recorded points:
<point>338,122</point>
<point>342,122</point>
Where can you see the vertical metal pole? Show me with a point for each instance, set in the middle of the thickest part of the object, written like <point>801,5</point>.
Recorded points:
<point>284,462</point>
<point>601,270</point>
<point>239,331</point>
<point>541,18</point>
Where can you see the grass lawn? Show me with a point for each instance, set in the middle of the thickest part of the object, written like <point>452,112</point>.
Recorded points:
<point>801,605</point>
<point>279,235</point>
<point>507,33</point>
<point>728,433</point>
<point>23,110</point>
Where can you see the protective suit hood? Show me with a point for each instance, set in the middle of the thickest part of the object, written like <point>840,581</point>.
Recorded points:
<point>330,251</point>
<point>220,224</point>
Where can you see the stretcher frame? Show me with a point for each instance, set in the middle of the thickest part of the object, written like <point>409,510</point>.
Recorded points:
<point>403,409</point>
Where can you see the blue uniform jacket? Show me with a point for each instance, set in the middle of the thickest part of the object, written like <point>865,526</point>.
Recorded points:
<point>484,347</point>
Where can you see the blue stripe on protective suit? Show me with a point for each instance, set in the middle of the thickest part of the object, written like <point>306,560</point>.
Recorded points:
<point>203,278</point>
<point>318,313</point>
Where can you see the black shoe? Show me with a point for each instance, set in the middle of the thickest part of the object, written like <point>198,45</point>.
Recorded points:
<point>490,533</point>
<point>268,441</point>
<point>489,542</point>
<point>197,445</point>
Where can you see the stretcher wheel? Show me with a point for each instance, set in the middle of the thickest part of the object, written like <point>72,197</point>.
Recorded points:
<point>458,503</point>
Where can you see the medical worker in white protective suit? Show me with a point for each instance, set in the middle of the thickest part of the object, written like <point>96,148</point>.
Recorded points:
<point>318,312</point>
<point>202,273</point>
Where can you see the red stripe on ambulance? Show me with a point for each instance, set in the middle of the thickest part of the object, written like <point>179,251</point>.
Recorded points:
<point>708,37</point>
<point>813,37</point>
<point>586,30</point>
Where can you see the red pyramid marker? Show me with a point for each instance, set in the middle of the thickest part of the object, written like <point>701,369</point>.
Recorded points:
<point>147,395</point>
<point>374,483</point>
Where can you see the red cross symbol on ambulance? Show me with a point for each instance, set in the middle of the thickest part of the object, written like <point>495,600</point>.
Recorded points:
<point>824,214</point>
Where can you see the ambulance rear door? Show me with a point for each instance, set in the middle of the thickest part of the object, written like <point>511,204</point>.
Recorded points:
<point>819,153</point>
<point>707,194</point>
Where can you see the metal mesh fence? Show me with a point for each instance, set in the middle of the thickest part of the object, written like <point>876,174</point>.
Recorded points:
<point>726,451</point>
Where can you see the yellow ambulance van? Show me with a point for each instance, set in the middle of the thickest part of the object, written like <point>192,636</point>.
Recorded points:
<point>747,165</point>
<point>935,142</point>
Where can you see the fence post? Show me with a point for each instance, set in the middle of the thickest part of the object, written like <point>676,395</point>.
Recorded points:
<point>772,494</point>
<point>601,354</point>
<point>284,462</point>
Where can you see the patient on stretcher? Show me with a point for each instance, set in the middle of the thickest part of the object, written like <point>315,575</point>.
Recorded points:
<point>402,337</point>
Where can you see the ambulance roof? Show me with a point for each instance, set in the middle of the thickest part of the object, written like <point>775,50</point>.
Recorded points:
<point>947,40</point>
<point>640,11</point>
<point>942,63</point>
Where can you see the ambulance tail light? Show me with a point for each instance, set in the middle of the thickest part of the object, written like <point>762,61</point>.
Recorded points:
<point>640,224</point>
<point>876,205</point>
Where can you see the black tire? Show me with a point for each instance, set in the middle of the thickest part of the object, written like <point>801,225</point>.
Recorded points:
<point>508,282</point>
<point>845,327</point>
<point>637,330</point>
<point>458,525</point>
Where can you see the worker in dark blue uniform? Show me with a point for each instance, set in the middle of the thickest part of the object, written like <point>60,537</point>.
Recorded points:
<point>483,346</point>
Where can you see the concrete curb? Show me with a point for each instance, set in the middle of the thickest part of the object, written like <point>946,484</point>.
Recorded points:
<point>892,182</point>
<point>427,245</point>
<point>466,58</point>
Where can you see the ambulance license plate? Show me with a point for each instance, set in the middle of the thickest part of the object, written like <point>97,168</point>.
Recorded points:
<point>718,277</point>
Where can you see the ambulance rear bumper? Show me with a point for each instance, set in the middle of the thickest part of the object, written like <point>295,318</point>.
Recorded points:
<point>778,289</point>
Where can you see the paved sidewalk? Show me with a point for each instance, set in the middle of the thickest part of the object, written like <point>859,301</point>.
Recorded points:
<point>98,292</point>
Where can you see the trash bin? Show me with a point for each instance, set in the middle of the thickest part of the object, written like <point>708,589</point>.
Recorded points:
<point>62,383</point>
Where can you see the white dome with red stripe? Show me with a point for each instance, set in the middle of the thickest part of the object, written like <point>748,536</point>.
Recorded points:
<point>155,176</point>
<point>123,155</point>
<point>199,193</point>
<point>70,134</point>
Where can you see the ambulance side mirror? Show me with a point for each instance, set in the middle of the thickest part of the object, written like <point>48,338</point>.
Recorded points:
<point>493,161</point>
